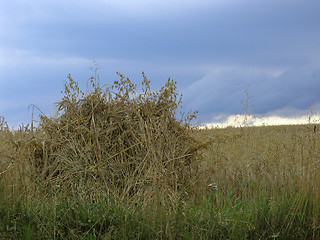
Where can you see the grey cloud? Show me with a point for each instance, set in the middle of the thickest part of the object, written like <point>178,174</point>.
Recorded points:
<point>295,88</point>
<point>233,34</point>
<point>222,93</point>
<point>179,39</point>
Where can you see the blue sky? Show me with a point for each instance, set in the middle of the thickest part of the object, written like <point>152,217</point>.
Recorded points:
<point>213,49</point>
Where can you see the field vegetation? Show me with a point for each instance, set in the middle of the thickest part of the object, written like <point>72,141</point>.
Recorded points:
<point>116,163</point>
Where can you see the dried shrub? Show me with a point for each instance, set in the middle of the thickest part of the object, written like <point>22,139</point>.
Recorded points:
<point>115,140</point>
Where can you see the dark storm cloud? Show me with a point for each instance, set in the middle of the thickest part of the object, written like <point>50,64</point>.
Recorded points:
<point>214,49</point>
<point>264,33</point>
<point>223,93</point>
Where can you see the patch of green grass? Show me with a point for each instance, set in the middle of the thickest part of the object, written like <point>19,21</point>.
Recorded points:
<point>221,214</point>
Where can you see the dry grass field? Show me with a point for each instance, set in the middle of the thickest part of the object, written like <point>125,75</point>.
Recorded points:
<point>117,164</point>
<point>279,156</point>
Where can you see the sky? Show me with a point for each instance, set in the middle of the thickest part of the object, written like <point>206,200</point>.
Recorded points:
<point>222,53</point>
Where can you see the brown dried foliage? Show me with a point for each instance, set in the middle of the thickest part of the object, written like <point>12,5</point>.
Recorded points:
<point>109,141</point>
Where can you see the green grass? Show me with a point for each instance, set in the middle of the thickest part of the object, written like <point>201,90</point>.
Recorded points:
<point>225,213</point>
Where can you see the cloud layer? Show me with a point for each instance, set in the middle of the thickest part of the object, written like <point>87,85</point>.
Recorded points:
<point>213,49</point>
<point>223,91</point>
